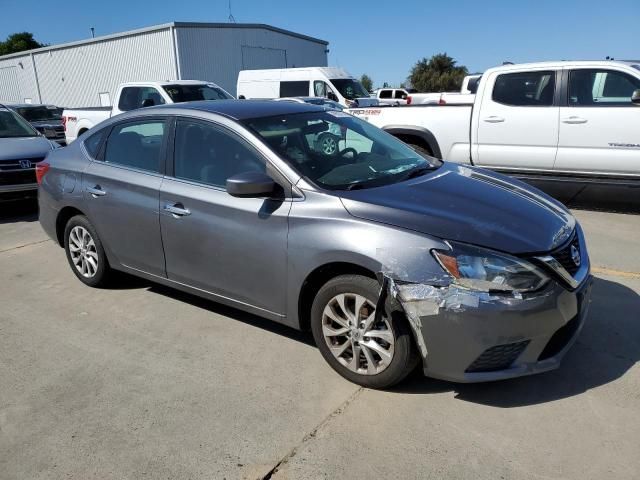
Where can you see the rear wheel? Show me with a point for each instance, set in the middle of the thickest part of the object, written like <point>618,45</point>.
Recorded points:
<point>375,353</point>
<point>85,253</point>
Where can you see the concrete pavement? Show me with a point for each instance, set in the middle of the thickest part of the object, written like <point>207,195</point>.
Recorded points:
<point>141,381</point>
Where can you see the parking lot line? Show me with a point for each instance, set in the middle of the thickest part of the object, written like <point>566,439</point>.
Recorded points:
<point>614,273</point>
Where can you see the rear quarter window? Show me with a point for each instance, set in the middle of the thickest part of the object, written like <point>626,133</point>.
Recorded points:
<point>94,143</point>
<point>294,89</point>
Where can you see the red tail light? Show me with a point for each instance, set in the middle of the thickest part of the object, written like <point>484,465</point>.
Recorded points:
<point>442,101</point>
<point>64,122</point>
<point>41,170</point>
<point>409,99</point>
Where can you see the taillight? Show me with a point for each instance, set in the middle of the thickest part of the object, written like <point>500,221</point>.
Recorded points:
<point>64,122</point>
<point>442,101</point>
<point>409,99</point>
<point>41,170</point>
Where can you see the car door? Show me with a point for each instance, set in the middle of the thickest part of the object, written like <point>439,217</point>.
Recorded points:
<point>121,190</point>
<point>517,121</point>
<point>599,125</point>
<point>235,248</point>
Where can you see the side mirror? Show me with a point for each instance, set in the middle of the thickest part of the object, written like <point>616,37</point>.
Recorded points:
<point>635,97</point>
<point>404,96</point>
<point>251,185</point>
<point>332,96</point>
<point>148,102</point>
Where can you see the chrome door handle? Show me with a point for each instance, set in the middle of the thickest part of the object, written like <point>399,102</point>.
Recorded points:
<point>493,119</point>
<point>96,191</point>
<point>574,120</point>
<point>177,209</point>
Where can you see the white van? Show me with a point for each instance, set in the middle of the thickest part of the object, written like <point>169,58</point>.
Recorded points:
<point>328,82</point>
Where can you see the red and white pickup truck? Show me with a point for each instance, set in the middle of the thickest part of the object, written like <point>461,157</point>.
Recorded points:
<point>134,95</point>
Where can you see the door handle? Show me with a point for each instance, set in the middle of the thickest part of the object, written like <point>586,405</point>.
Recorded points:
<point>96,191</point>
<point>493,119</point>
<point>177,209</point>
<point>574,120</point>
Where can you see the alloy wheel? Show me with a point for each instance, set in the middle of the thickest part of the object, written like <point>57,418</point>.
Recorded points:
<point>84,254</point>
<point>354,337</point>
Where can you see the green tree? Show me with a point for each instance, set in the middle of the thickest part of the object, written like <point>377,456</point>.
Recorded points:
<point>19,42</point>
<point>366,82</point>
<point>437,74</point>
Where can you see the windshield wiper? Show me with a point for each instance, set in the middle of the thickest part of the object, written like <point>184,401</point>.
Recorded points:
<point>417,172</point>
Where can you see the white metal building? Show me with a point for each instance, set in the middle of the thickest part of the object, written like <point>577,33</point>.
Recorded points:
<point>87,73</point>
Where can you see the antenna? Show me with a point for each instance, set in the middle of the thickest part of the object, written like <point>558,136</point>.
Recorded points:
<point>93,32</point>
<point>231,17</point>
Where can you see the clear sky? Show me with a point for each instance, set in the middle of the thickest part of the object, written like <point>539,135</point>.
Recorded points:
<point>383,39</point>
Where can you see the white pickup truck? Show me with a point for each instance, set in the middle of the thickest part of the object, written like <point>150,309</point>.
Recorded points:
<point>130,96</point>
<point>556,124</point>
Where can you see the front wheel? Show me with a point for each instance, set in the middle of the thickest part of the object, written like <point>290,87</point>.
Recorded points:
<point>374,353</point>
<point>85,253</point>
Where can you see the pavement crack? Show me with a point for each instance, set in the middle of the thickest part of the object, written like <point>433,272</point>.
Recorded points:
<point>309,436</point>
<point>25,245</point>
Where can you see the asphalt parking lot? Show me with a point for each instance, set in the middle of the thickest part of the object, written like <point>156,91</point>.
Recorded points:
<point>140,381</point>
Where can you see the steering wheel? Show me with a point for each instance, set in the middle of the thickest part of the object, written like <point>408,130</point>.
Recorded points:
<point>342,153</point>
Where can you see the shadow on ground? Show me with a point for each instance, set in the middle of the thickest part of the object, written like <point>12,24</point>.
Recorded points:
<point>19,211</point>
<point>608,346</point>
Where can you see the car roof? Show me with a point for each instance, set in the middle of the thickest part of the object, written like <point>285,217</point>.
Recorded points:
<point>243,109</point>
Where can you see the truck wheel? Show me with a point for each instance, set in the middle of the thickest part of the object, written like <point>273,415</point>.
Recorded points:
<point>374,354</point>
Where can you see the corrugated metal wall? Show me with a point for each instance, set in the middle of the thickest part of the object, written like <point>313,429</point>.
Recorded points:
<point>76,75</point>
<point>216,54</point>
<point>17,80</point>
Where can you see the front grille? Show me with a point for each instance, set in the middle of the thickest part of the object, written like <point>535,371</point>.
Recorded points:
<point>18,178</point>
<point>13,173</point>
<point>499,357</point>
<point>564,257</point>
<point>560,339</point>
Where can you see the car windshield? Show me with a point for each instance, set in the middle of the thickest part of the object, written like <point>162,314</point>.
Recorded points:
<point>350,88</point>
<point>337,151</point>
<point>192,93</point>
<point>13,125</point>
<point>40,113</point>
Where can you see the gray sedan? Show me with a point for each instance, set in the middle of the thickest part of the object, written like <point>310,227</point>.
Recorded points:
<point>391,258</point>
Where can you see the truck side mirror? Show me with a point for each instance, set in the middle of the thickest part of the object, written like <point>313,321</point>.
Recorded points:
<point>635,97</point>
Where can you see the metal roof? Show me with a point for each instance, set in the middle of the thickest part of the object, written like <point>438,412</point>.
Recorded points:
<point>164,26</point>
<point>242,109</point>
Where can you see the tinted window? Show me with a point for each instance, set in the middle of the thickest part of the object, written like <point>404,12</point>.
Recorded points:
<point>138,97</point>
<point>601,88</point>
<point>350,88</point>
<point>192,93</point>
<point>136,144</point>
<point>400,94</point>
<point>294,89</point>
<point>40,113</point>
<point>209,154</point>
<point>385,93</point>
<point>93,143</point>
<point>527,89</point>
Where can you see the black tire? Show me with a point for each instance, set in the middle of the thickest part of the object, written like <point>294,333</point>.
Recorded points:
<point>405,355</point>
<point>103,271</point>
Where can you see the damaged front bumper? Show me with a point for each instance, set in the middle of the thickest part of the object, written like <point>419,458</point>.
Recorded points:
<point>465,335</point>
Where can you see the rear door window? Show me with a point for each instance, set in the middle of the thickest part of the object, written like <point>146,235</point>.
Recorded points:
<point>601,88</point>
<point>525,89</point>
<point>138,97</point>
<point>385,93</point>
<point>136,144</point>
<point>294,89</point>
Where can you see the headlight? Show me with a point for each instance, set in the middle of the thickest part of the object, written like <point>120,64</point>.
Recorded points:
<point>486,270</point>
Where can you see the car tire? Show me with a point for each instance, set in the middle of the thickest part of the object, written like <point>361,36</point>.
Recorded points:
<point>386,352</point>
<point>85,253</point>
